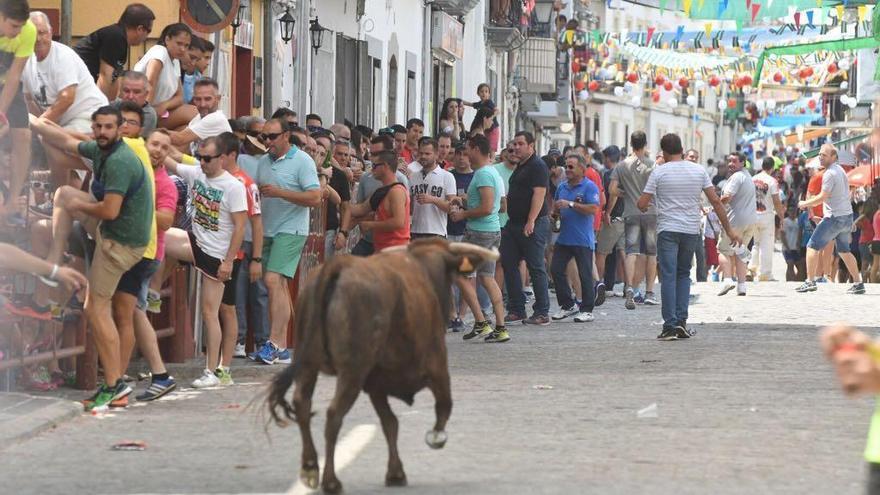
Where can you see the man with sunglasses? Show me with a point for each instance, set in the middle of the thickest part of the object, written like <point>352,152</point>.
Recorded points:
<point>211,121</point>
<point>212,246</point>
<point>119,213</point>
<point>288,181</point>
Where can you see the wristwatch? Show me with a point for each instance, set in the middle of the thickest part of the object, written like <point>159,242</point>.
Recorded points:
<point>571,204</point>
<point>257,259</point>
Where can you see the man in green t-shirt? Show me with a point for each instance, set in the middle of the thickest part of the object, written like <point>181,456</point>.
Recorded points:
<point>119,214</point>
<point>17,38</point>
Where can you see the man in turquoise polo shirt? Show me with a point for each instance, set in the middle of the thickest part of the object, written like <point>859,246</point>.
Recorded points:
<point>288,181</point>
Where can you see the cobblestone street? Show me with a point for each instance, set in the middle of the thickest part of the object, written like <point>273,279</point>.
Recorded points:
<point>747,406</point>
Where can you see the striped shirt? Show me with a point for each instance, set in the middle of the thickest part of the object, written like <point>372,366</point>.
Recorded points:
<point>676,187</point>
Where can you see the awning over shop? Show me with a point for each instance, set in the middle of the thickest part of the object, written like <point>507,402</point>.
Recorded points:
<point>809,135</point>
<point>815,152</point>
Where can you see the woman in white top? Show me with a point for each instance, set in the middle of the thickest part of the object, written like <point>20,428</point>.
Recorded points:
<point>161,64</point>
<point>449,121</point>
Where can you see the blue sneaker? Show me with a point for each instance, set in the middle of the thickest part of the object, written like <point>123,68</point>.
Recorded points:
<point>254,355</point>
<point>639,298</point>
<point>822,280</point>
<point>271,354</point>
<point>283,356</point>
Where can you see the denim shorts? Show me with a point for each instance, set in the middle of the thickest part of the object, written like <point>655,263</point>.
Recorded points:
<point>838,229</point>
<point>488,240</point>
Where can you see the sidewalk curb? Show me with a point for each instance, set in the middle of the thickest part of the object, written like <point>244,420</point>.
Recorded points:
<point>21,427</point>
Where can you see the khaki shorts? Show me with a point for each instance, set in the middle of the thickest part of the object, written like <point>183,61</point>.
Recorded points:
<point>611,237</point>
<point>110,262</point>
<point>746,233</point>
<point>81,123</point>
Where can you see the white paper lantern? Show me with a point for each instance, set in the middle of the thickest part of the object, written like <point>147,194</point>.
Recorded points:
<point>618,91</point>
<point>844,99</point>
<point>672,102</point>
<point>843,65</point>
<point>636,101</point>
<point>852,103</point>
<point>583,94</point>
<point>844,85</point>
<point>722,105</point>
<point>692,100</point>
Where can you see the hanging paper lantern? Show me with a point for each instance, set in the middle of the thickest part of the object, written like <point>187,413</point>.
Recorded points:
<point>672,102</point>
<point>655,96</point>
<point>618,91</point>
<point>832,68</point>
<point>777,77</point>
<point>593,86</point>
<point>580,85</point>
<point>659,80</point>
<point>844,85</point>
<point>843,65</point>
<point>632,77</point>
<point>683,83</point>
<point>667,86</point>
<point>731,103</point>
<point>583,95</point>
<point>806,73</point>
<point>692,100</point>
<point>812,104</point>
<point>636,101</point>
<point>746,80</point>
<point>722,105</point>
<point>852,103</point>
<point>575,65</point>
<point>714,81</point>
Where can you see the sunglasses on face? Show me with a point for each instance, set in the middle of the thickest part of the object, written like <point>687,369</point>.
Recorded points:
<point>206,158</point>
<point>270,137</point>
<point>35,184</point>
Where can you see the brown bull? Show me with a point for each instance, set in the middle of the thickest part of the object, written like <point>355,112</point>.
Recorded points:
<point>377,324</point>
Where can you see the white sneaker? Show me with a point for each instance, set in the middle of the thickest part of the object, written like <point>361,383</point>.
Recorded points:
<point>564,313</point>
<point>239,351</point>
<point>741,289</point>
<point>727,286</point>
<point>583,317</point>
<point>208,379</point>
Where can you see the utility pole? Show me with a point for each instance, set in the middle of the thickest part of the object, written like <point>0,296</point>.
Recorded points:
<point>66,21</point>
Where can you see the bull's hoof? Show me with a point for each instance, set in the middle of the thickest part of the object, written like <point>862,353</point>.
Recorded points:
<point>435,439</point>
<point>309,477</point>
<point>397,479</point>
<point>332,487</point>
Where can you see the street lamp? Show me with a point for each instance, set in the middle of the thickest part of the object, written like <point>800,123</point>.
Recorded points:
<point>544,16</point>
<point>316,31</point>
<point>287,22</point>
<point>236,22</point>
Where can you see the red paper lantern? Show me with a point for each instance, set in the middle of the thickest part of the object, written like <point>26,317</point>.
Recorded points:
<point>667,86</point>
<point>632,77</point>
<point>714,81</point>
<point>593,86</point>
<point>659,80</point>
<point>575,66</point>
<point>777,77</point>
<point>579,85</point>
<point>832,68</point>
<point>746,80</point>
<point>683,83</point>
<point>655,96</point>
<point>812,104</point>
<point>806,72</point>
<point>731,103</point>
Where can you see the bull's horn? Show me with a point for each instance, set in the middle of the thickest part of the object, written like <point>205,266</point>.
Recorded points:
<point>467,248</point>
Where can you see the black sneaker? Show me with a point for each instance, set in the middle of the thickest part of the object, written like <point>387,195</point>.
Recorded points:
<point>856,289</point>
<point>600,294</point>
<point>668,333</point>
<point>682,331</point>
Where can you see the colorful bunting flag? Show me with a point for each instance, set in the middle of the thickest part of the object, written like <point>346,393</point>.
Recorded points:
<point>650,35</point>
<point>839,9</point>
<point>755,8</point>
<point>810,17</point>
<point>687,7</point>
<point>797,20</point>
<point>708,28</point>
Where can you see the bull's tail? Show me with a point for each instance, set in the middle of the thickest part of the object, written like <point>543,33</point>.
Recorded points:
<point>310,318</point>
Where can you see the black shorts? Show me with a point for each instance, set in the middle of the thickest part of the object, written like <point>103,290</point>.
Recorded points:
<point>875,247</point>
<point>209,265</point>
<point>18,112</point>
<point>136,281</point>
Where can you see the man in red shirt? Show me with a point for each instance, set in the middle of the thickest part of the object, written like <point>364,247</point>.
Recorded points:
<point>826,258</point>
<point>415,128</point>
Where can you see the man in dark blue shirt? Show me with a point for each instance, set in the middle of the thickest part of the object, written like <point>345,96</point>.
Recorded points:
<point>576,201</point>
